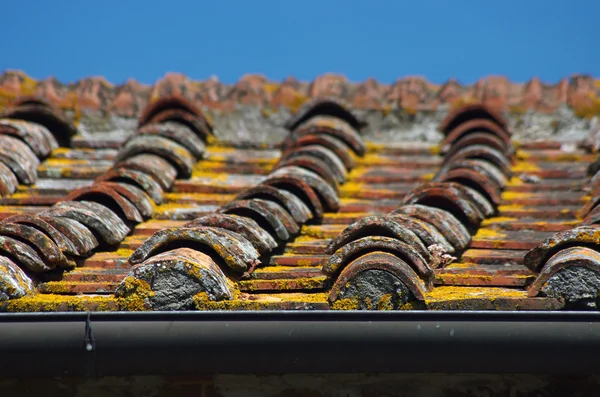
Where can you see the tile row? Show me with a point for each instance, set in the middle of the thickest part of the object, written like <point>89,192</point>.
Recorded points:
<point>29,131</point>
<point>212,253</point>
<point>581,92</point>
<point>567,263</point>
<point>170,138</point>
<point>391,259</point>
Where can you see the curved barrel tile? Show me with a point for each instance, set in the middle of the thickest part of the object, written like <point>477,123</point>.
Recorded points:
<point>444,221</point>
<point>264,214</point>
<point>344,255</point>
<point>186,119</point>
<point>474,179</point>
<point>25,256</point>
<point>333,127</point>
<point>477,138</point>
<point>377,280</point>
<point>313,164</point>
<point>8,180</point>
<point>139,198</point>
<point>377,225</point>
<point>327,195</point>
<point>62,242</point>
<point>21,160</point>
<point>449,197</point>
<point>470,112</point>
<point>36,136</point>
<point>247,227</point>
<point>572,274</point>
<point>473,126</point>
<point>232,248</point>
<point>324,107</point>
<point>298,187</point>
<point>482,152</point>
<point>121,197</point>
<point>334,164</point>
<point>172,102</point>
<point>61,129</point>
<point>45,247</point>
<point>172,280</point>
<point>428,233</point>
<point>336,145</point>
<point>171,151</point>
<point>135,178</point>
<point>108,197</point>
<point>156,167</point>
<point>177,133</point>
<point>98,218</point>
<point>14,283</point>
<point>587,236</point>
<point>78,233</point>
<point>290,202</point>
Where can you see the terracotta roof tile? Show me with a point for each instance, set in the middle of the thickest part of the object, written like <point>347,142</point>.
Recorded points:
<point>161,214</point>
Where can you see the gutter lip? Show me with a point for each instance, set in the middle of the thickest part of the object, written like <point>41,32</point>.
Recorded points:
<point>88,344</point>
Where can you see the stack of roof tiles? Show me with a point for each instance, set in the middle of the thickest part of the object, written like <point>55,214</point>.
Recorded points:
<point>98,216</point>
<point>302,186</point>
<point>173,220</point>
<point>397,253</point>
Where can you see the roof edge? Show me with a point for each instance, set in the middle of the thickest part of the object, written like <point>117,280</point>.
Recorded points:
<point>580,92</point>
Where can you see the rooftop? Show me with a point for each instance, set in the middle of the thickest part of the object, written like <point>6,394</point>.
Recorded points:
<point>290,195</point>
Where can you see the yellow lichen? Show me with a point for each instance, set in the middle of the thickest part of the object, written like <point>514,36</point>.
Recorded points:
<point>447,293</point>
<point>517,109</point>
<point>509,207</point>
<point>427,177</point>
<point>337,215</point>
<point>512,195</point>
<point>247,301</point>
<point>459,279</point>
<point>345,304</point>
<point>124,252</point>
<point>319,232</point>
<point>281,269</point>
<point>497,219</point>
<point>297,102</point>
<point>304,239</point>
<point>374,159</point>
<point>301,283</point>
<point>524,166</point>
<point>373,147</point>
<point>589,109</point>
<point>134,295</point>
<point>461,102</point>
<point>386,110</point>
<point>55,303</point>
<point>435,150</point>
<point>28,85</point>
<point>386,302</point>
<point>514,181</point>
<point>487,233</point>
<point>266,112</point>
<point>411,111</point>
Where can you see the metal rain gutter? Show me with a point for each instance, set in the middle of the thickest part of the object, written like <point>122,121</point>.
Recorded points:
<point>188,343</point>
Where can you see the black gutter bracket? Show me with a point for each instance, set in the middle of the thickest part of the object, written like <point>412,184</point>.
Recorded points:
<point>90,347</point>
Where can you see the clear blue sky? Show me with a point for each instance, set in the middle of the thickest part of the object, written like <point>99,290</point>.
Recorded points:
<point>385,39</point>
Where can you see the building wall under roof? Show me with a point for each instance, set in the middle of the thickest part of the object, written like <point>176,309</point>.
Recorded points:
<point>342,385</point>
